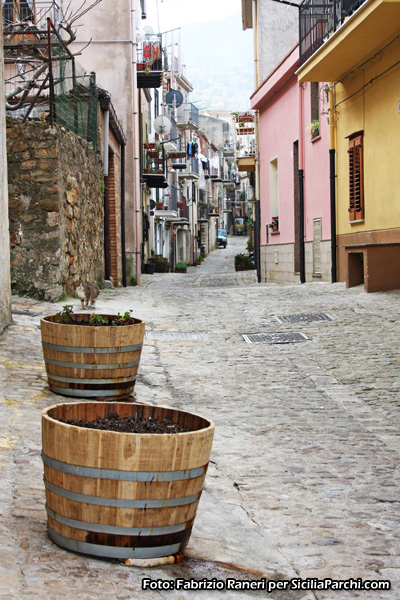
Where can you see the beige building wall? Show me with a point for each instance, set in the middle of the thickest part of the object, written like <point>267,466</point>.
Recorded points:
<point>5,290</point>
<point>110,55</point>
<point>277,263</point>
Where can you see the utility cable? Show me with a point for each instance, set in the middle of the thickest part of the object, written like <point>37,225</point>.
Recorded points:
<point>368,83</point>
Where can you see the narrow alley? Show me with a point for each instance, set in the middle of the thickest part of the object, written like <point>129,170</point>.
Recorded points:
<point>303,482</point>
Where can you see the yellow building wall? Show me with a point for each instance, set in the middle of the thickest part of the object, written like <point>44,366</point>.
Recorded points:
<point>375,110</point>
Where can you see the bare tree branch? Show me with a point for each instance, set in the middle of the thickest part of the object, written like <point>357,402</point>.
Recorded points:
<point>31,63</point>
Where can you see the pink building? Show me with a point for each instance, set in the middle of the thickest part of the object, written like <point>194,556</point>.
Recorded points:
<point>294,188</point>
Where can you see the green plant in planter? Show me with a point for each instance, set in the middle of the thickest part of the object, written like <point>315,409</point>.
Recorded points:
<point>242,260</point>
<point>181,267</point>
<point>65,316</point>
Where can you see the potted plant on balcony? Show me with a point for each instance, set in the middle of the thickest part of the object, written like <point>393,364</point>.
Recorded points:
<point>274,225</point>
<point>91,356</point>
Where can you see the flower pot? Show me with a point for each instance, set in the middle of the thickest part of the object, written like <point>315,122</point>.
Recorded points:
<point>149,268</point>
<point>123,495</point>
<point>159,206</point>
<point>91,361</point>
<point>150,146</point>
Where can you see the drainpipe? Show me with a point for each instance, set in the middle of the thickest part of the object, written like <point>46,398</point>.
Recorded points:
<point>123,248</point>
<point>332,174</point>
<point>301,183</point>
<point>136,148</point>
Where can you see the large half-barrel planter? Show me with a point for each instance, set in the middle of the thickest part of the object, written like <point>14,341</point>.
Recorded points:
<point>91,361</point>
<point>123,495</point>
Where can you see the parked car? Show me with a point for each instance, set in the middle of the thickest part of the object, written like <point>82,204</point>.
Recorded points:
<point>239,226</point>
<point>222,238</point>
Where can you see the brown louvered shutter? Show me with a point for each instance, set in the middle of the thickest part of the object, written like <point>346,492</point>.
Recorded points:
<point>356,178</point>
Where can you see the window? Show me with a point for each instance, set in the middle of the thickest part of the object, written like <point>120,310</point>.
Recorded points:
<point>273,189</point>
<point>314,109</point>
<point>356,177</point>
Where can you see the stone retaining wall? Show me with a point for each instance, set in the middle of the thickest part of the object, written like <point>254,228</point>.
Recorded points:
<point>55,208</point>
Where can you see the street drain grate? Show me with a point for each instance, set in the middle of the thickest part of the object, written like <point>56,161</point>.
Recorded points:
<point>275,338</point>
<point>304,318</point>
<point>191,336</point>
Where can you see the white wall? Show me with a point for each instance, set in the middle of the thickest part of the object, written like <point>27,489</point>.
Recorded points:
<point>5,291</point>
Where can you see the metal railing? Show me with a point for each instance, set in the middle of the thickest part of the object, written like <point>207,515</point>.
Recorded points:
<point>150,53</point>
<point>318,19</point>
<point>18,13</point>
<point>188,112</point>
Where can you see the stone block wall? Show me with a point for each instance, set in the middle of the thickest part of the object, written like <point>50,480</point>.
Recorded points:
<point>55,210</point>
<point>277,263</point>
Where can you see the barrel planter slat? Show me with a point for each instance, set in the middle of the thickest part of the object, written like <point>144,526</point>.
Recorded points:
<point>91,361</point>
<point>123,495</point>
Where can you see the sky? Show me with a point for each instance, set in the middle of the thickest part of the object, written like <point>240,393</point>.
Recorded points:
<point>218,54</point>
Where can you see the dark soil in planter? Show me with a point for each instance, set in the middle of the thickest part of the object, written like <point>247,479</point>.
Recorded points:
<point>67,317</point>
<point>129,424</point>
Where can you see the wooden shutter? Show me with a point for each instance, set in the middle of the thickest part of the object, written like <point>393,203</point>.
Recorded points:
<point>356,178</point>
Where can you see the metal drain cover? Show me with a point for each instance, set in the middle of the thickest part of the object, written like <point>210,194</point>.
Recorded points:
<point>275,338</point>
<point>304,318</point>
<point>192,336</point>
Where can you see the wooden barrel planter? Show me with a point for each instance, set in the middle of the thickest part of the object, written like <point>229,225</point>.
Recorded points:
<point>91,361</point>
<point>123,495</point>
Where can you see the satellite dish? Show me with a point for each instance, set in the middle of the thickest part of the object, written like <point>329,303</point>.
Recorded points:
<point>148,30</point>
<point>174,98</point>
<point>152,205</point>
<point>162,124</point>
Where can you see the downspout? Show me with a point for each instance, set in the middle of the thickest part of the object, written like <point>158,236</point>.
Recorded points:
<point>257,221</point>
<point>123,248</point>
<point>301,184</point>
<point>136,148</point>
<point>332,175</point>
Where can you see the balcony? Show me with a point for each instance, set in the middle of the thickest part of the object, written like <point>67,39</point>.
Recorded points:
<point>337,37</point>
<point>149,62</point>
<point>187,116</point>
<point>153,172</point>
<point>24,20</point>
<point>192,170</point>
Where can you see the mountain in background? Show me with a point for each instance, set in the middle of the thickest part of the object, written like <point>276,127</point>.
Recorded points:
<point>219,63</point>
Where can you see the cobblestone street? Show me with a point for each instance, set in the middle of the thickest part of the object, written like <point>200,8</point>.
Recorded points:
<point>304,476</point>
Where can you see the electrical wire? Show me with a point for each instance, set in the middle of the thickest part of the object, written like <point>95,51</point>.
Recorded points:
<point>366,84</point>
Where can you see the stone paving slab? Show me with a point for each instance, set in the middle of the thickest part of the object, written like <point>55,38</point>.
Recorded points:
<point>304,477</point>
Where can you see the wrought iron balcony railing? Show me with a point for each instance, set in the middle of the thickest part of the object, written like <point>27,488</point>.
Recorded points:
<point>188,112</point>
<point>18,14</point>
<point>318,19</point>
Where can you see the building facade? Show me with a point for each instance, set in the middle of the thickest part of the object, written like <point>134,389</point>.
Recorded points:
<point>356,49</point>
<point>293,176</point>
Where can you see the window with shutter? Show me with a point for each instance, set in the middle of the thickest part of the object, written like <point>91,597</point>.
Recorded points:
<point>356,177</point>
